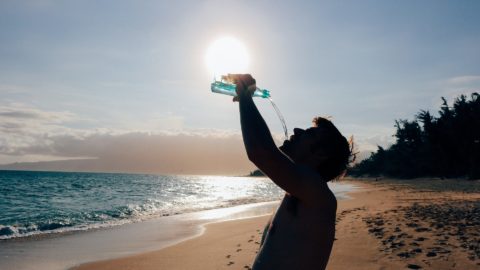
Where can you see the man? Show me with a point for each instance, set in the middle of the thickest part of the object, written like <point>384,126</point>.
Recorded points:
<point>303,228</point>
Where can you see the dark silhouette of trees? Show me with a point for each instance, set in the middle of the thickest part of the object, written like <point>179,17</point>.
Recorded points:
<point>444,146</point>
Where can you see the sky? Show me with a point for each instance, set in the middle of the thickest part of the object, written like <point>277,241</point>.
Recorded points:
<point>125,83</point>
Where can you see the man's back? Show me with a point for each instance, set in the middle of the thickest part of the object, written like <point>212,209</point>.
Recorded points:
<point>300,236</point>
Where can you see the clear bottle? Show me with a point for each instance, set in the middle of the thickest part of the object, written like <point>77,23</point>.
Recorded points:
<point>226,88</point>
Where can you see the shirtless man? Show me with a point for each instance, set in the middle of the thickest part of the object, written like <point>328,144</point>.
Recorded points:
<point>303,228</point>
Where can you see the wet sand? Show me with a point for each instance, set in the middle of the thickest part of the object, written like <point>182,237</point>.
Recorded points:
<point>386,225</point>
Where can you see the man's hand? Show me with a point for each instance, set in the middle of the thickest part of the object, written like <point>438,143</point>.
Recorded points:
<point>246,84</point>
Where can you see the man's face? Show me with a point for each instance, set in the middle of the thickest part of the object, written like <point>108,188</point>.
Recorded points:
<point>300,145</point>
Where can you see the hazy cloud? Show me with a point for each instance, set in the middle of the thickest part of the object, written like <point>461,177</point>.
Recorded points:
<point>368,137</point>
<point>23,126</point>
<point>149,153</point>
<point>464,79</point>
<point>15,111</point>
<point>28,134</point>
<point>452,88</point>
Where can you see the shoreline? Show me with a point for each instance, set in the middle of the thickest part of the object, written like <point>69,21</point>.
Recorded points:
<point>59,251</point>
<point>38,235</point>
<point>66,250</point>
<point>229,233</point>
<point>159,259</point>
<point>383,226</point>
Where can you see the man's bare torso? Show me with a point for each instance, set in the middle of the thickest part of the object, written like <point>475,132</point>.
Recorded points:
<point>300,236</point>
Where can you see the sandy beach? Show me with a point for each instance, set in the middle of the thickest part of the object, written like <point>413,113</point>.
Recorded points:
<point>385,225</point>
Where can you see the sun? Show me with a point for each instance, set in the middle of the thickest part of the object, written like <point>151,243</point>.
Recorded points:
<point>227,55</point>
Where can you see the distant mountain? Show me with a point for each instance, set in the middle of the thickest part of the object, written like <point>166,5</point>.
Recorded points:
<point>127,164</point>
<point>72,165</point>
<point>256,173</point>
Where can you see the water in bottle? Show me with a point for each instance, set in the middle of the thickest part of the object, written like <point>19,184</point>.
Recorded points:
<point>227,88</point>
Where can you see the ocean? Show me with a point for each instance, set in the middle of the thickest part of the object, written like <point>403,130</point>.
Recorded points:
<point>56,220</point>
<point>52,202</point>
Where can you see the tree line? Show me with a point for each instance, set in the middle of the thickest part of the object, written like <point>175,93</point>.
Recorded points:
<point>447,146</point>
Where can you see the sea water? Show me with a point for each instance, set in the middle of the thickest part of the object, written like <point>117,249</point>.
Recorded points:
<point>51,202</point>
<point>56,220</point>
<point>35,203</point>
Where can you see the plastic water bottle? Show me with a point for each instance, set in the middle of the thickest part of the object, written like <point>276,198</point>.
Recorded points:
<point>225,88</point>
<point>228,88</point>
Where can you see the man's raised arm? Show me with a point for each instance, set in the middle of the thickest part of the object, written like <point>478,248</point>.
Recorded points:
<point>259,144</point>
<point>257,138</point>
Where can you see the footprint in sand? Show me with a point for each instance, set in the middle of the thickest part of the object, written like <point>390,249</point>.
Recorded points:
<point>238,250</point>
<point>228,256</point>
<point>230,263</point>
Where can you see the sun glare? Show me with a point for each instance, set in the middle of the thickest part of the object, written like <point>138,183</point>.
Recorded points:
<point>227,55</point>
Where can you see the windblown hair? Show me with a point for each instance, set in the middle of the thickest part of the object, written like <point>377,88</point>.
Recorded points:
<point>339,151</point>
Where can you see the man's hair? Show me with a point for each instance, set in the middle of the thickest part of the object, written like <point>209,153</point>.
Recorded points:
<point>338,150</point>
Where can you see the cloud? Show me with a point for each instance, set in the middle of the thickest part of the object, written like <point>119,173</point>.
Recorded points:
<point>22,113</point>
<point>452,88</point>
<point>371,143</point>
<point>13,89</point>
<point>30,134</point>
<point>182,153</point>
<point>22,126</point>
<point>464,79</point>
<point>368,137</point>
